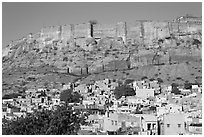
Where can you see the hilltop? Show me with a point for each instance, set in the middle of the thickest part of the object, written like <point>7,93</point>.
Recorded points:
<point>170,50</point>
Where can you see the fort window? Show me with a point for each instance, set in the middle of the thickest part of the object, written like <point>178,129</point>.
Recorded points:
<point>168,125</point>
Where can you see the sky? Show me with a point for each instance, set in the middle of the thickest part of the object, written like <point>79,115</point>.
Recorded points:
<point>19,19</point>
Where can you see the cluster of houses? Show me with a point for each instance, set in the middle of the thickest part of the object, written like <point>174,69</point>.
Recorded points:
<point>153,110</point>
<point>29,102</point>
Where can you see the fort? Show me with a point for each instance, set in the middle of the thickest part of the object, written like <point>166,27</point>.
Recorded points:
<point>140,31</point>
<point>113,47</point>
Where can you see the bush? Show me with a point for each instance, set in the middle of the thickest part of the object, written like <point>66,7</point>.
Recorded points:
<point>160,80</point>
<point>10,96</point>
<point>65,59</point>
<point>123,90</point>
<point>187,85</point>
<point>69,96</point>
<point>175,89</point>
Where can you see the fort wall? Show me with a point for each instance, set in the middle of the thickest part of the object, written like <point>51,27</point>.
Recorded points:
<point>81,30</point>
<point>104,30</point>
<point>143,32</point>
<point>66,32</point>
<point>134,32</point>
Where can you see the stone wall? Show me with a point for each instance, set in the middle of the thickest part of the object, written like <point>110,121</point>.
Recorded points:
<point>81,30</point>
<point>142,32</point>
<point>154,31</point>
<point>51,32</point>
<point>134,32</point>
<point>104,30</point>
<point>66,32</point>
<point>121,30</point>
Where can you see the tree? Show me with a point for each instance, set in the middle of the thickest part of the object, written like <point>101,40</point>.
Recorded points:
<point>175,89</point>
<point>68,96</point>
<point>61,121</point>
<point>123,90</point>
<point>160,80</point>
<point>187,85</point>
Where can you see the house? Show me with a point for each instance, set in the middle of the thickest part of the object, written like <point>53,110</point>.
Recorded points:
<point>30,92</point>
<point>144,93</point>
<point>124,109</point>
<point>128,120</point>
<point>149,124</point>
<point>95,109</point>
<point>24,101</point>
<point>139,85</point>
<point>195,129</point>
<point>161,111</point>
<point>193,123</point>
<point>87,130</point>
<point>101,99</point>
<point>115,104</point>
<point>111,122</point>
<point>115,121</point>
<point>169,88</point>
<point>160,99</point>
<point>194,87</point>
<point>7,101</point>
<point>173,108</point>
<point>55,101</point>
<point>82,88</point>
<point>173,124</point>
<point>19,114</point>
<point>96,121</point>
<point>4,110</point>
<point>87,102</point>
<point>134,100</point>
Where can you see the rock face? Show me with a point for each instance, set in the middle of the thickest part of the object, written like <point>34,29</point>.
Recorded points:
<point>95,48</point>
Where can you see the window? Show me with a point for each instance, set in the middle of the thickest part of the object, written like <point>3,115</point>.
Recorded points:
<point>112,122</point>
<point>168,125</point>
<point>115,122</point>
<point>179,125</point>
<point>148,126</point>
<point>154,126</point>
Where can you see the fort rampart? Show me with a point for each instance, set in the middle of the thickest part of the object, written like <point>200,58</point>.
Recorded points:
<point>140,31</point>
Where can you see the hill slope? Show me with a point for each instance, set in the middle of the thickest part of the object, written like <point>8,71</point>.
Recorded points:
<point>33,62</point>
